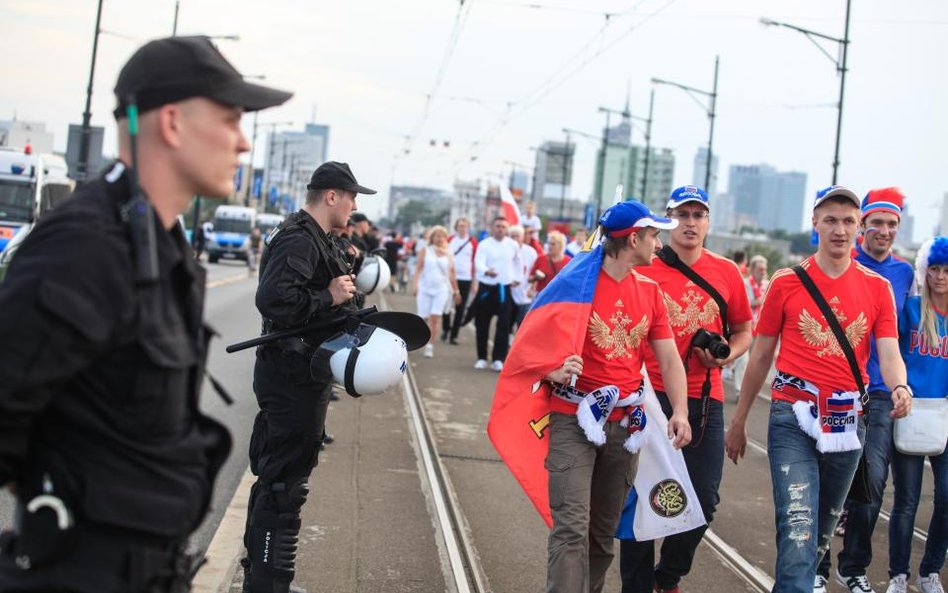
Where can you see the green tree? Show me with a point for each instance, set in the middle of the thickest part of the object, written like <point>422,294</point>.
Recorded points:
<point>416,211</point>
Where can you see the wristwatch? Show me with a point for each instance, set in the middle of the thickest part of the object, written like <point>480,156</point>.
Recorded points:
<point>907,388</point>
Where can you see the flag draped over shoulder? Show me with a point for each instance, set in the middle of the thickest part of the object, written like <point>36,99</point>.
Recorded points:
<point>553,329</point>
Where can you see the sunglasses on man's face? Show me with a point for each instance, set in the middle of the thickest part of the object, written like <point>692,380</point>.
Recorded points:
<point>686,214</point>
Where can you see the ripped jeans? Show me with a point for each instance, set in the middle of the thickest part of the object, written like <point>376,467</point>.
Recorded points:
<point>809,491</point>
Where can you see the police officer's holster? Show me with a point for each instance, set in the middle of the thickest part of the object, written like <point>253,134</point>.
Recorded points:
<point>90,559</point>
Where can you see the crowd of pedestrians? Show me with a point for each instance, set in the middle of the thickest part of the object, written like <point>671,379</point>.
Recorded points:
<point>820,429</point>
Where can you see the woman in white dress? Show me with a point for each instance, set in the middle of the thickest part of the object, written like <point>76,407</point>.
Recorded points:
<point>434,281</point>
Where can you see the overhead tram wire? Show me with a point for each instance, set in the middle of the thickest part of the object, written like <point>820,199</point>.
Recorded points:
<point>459,20</point>
<point>551,84</point>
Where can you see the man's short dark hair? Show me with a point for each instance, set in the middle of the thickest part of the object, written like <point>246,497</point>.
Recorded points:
<point>503,218</point>
<point>315,196</point>
<point>836,200</point>
<point>613,245</point>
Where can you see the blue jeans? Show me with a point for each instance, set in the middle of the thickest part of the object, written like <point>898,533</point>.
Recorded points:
<point>856,554</point>
<point>809,490</point>
<point>907,480</point>
<point>705,464</point>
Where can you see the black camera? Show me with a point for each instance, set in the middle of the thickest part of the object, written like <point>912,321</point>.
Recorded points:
<point>711,342</point>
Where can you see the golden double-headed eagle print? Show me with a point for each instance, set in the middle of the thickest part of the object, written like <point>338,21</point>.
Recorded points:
<point>620,340</point>
<point>690,317</point>
<point>816,335</point>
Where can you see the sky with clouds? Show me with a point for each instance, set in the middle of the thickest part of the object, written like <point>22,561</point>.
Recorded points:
<point>495,78</point>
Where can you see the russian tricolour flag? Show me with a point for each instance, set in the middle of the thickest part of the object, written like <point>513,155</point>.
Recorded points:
<point>519,419</point>
<point>552,330</point>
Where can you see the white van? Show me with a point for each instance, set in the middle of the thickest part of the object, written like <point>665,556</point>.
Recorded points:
<point>30,185</point>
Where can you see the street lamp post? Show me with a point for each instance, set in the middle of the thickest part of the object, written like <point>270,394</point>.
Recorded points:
<point>625,113</point>
<point>565,175</point>
<point>602,162</point>
<point>713,95</point>
<point>82,166</point>
<point>648,146</point>
<point>840,64</point>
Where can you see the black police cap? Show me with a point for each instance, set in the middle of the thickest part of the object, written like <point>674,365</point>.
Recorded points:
<point>334,175</point>
<point>176,68</point>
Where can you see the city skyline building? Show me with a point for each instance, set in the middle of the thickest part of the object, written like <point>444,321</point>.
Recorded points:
<point>291,157</point>
<point>435,198</point>
<point>468,202</point>
<point>700,171</point>
<point>553,172</point>
<point>626,165</point>
<point>768,198</point>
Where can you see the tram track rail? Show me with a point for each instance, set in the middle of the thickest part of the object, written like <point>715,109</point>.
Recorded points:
<point>464,573</point>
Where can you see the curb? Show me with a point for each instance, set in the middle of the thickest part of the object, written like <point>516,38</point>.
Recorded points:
<point>222,554</point>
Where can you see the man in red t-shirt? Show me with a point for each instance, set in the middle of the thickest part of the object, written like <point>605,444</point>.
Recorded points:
<point>590,474</point>
<point>691,311</point>
<point>816,429</point>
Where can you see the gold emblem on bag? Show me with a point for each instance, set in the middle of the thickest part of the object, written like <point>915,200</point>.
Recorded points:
<point>668,498</point>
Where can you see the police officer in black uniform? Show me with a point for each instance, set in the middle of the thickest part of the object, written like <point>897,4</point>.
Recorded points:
<point>305,278</point>
<point>101,438</point>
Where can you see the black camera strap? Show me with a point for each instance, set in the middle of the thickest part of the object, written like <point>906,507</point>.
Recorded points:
<point>670,258</point>
<point>668,255</point>
<point>834,325</point>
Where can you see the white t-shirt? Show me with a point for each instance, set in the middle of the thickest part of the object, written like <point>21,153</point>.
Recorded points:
<point>463,250</point>
<point>434,276</point>
<point>496,255</point>
<point>523,263</point>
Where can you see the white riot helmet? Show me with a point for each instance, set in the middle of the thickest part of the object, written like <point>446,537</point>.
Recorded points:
<point>366,361</point>
<point>373,274</point>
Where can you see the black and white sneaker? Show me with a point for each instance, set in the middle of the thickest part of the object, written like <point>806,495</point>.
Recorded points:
<point>819,584</point>
<point>856,584</point>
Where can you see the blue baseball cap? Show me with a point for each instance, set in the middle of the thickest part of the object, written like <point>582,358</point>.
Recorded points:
<point>627,217</point>
<point>833,191</point>
<point>685,194</point>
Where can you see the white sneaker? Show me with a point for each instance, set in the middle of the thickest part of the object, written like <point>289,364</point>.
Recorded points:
<point>429,351</point>
<point>819,584</point>
<point>497,365</point>
<point>898,584</point>
<point>855,584</point>
<point>930,584</point>
<point>480,364</point>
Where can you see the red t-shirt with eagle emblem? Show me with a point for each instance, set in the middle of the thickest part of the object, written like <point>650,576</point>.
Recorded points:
<point>625,316</point>
<point>863,303</point>
<point>689,308</point>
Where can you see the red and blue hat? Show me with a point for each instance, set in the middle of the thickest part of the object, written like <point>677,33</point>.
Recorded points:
<point>627,217</point>
<point>887,199</point>
<point>835,191</point>
<point>685,194</point>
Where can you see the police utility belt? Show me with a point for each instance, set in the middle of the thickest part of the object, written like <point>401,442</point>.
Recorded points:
<point>593,410</point>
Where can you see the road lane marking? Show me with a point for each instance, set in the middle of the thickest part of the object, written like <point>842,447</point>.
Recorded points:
<point>226,280</point>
